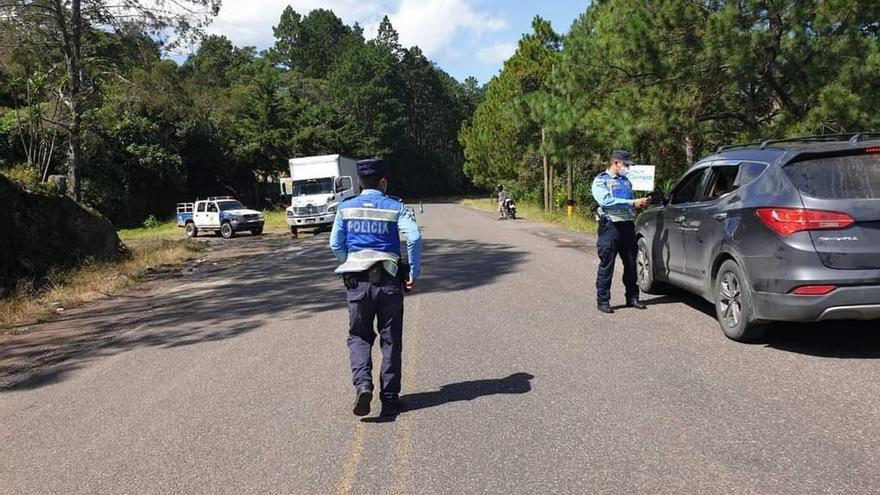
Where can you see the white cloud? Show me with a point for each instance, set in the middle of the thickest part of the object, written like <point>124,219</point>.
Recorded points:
<point>435,25</point>
<point>497,53</point>
<point>250,22</point>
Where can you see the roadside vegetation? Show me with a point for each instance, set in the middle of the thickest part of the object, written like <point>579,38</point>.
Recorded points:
<point>158,246</point>
<point>527,210</point>
<point>671,81</point>
<point>64,289</point>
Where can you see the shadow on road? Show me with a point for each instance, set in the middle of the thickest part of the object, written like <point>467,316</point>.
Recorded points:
<point>831,339</point>
<point>834,339</point>
<point>282,281</point>
<point>517,383</point>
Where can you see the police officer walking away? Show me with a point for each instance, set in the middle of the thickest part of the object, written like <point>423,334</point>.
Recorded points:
<point>617,212</point>
<point>366,239</point>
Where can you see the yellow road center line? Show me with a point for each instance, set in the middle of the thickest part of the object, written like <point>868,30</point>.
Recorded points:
<point>404,446</point>
<point>352,460</point>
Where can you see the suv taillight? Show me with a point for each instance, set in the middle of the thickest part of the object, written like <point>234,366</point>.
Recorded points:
<point>787,221</point>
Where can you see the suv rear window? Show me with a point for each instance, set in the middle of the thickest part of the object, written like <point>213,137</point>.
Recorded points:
<point>838,177</point>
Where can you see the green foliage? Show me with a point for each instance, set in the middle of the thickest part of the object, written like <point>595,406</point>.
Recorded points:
<point>152,222</point>
<point>673,80</point>
<point>229,118</point>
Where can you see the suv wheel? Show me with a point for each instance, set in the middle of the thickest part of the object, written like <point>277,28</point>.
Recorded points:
<point>293,232</point>
<point>733,304</point>
<point>191,230</point>
<point>257,230</point>
<point>227,231</point>
<point>645,269</point>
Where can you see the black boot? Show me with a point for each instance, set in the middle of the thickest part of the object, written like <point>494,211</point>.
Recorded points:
<point>605,308</point>
<point>363,397</point>
<point>635,303</point>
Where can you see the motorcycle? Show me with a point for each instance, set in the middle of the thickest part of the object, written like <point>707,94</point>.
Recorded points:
<point>508,209</point>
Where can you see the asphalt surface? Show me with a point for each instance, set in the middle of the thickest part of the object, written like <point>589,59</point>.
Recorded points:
<point>237,382</point>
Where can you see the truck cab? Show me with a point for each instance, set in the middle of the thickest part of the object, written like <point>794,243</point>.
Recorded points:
<point>316,186</point>
<point>224,215</point>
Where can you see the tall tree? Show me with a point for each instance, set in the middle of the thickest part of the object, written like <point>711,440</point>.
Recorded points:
<point>69,19</point>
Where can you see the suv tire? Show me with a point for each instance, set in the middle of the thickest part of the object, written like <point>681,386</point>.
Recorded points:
<point>191,229</point>
<point>293,232</point>
<point>733,304</point>
<point>645,269</point>
<point>257,230</point>
<point>227,231</point>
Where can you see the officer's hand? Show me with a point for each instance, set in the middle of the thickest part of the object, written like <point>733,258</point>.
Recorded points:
<point>642,203</point>
<point>409,283</point>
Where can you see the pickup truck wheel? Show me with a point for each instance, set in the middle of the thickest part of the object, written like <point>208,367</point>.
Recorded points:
<point>257,231</point>
<point>227,231</point>
<point>191,230</point>
<point>293,232</point>
<point>733,304</point>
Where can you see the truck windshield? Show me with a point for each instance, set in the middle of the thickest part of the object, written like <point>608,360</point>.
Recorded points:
<point>229,205</point>
<point>313,186</point>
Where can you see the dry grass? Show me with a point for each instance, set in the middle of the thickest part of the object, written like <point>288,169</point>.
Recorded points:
<point>91,281</point>
<point>579,221</point>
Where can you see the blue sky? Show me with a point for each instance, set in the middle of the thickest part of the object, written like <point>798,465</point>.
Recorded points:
<point>464,37</point>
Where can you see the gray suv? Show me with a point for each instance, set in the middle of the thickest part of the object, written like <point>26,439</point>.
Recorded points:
<point>784,230</point>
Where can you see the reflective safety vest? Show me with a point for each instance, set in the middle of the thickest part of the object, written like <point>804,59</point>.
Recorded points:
<point>371,235</point>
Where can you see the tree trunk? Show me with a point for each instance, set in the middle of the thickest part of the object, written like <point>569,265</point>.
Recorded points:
<point>546,173</point>
<point>73,73</point>
<point>689,150</point>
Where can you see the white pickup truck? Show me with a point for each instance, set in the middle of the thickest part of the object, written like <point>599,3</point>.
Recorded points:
<point>224,215</point>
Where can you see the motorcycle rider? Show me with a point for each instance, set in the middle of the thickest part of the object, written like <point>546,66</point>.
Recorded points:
<point>502,197</point>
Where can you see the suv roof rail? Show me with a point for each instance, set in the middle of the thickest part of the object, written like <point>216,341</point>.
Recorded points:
<point>851,137</point>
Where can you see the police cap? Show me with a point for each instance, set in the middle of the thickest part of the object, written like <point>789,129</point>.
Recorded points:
<point>621,155</point>
<point>371,167</point>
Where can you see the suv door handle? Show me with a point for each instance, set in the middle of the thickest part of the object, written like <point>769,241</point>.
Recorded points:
<point>719,216</point>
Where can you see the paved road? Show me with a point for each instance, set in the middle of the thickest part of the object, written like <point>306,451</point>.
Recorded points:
<point>236,382</point>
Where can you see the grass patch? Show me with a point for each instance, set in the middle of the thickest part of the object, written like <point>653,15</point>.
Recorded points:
<point>165,230</point>
<point>531,211</point>
<point>74,287</point>
<point>275,220</point>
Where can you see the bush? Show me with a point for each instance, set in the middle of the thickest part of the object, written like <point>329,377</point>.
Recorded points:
<point>152,222</point>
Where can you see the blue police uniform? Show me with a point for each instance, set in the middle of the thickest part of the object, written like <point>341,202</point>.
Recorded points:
<point>366,238</point>
<point>617,236</point>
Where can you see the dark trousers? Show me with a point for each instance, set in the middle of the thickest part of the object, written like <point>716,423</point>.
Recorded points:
<point>616,238</point>
<point>372,306</point>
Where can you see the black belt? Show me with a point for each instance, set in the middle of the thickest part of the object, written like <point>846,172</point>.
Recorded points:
<point>376,274</point>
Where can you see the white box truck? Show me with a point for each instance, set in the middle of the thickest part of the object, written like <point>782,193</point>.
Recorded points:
<point>316,186</point>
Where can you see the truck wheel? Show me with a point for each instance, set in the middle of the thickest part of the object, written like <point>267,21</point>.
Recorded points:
<point>257,231</point>
<point>191,230</point>
<point>293,232</point>
<point>227,231</point>
<point>733,304</point>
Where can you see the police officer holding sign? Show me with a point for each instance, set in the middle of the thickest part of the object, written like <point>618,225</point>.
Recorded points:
<point>366,239</point>
<point>617,212</point>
